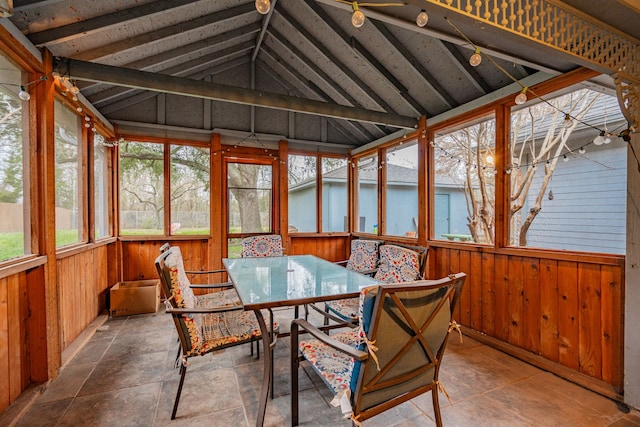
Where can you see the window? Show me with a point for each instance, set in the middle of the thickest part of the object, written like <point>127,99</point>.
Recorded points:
<point>367,178</point>
<point>465,182</point>
<point>568,185</point>
<point>141,188</point>
<point>401,188</point>
<point>101,187</point>
<point>249,202</point>
<point>14,194</point>
<point>190,191</point>
<point>68,165</point>
<point>302,193</point>
<point>334,194</point>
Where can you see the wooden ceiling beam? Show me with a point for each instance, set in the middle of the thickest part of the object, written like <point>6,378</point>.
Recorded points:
<point>81,70</point>
<point>92,25</point>
<point>139,41</point>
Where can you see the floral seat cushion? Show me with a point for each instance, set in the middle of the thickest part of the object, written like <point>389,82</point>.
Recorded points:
<point>262,246</point>
<point>364,255</point>
<point>397,265</point>
<point>346,309</point>
<point>332,366</point>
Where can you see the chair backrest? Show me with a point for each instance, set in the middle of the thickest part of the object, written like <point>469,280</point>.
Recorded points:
<point>406,362</point>
<point>179,294</point>
<point>364,254</point>
<point>398,264</point>
<point>262,246</point>
<point>422,251</point>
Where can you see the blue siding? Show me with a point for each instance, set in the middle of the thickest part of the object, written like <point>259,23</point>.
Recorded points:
<point>588,210</point>
<point>334,206</point>
<point>302,209</point>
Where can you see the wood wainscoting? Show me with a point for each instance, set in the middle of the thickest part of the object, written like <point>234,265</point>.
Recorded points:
<point>83,280</point>
<point>565,308</point>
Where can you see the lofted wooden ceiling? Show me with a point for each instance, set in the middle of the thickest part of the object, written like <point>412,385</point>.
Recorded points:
<point>304,56</point>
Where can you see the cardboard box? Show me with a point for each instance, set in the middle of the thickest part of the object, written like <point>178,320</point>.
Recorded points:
<point>135,297</point>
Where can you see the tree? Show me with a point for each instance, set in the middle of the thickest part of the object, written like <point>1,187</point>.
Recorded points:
<point>529,153</point>
<point>465,156</point>
<point>11,152</point>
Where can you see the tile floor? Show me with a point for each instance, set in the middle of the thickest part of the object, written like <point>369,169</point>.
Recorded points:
<point>124,376</point>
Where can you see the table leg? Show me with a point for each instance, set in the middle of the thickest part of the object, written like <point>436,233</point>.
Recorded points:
<point>266,379</point>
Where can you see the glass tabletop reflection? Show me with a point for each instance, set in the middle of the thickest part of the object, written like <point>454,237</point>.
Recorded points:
<point>292,280</point>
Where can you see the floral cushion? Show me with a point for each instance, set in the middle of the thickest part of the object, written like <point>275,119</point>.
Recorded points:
<point>262,246</point>
<point>331,365</point>
<point>223,298</point>
<point>346,309</point>
<point>397,265</point>
<point>364,255</point>
<point>180,286</point>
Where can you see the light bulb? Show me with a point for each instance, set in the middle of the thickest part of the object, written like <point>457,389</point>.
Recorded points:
<point>263,6</point>
<point>74,89</point>
<point>357,19</point>
<point>607,140</point>
<point>87,118</point>
<point>79,109</point>
<point>599,140</point>
<point>522,96</point>
<point>422,19</point>
<point>23,94</point>
<point>87,125</point>
<point>582,150</point>
<point>476,58</point>
<point>568,121</point>
<point>489,159</point>
<point>55,74</point>
<point>565,158</point>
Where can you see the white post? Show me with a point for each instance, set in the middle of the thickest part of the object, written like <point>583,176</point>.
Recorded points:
<point>632,280</point>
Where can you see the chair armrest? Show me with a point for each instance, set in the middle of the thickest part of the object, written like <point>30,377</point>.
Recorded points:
<point>175,310</point>
<point>211,285</point>
<point>206,272</point>
<point>321,336</point>
<point>330,316</point>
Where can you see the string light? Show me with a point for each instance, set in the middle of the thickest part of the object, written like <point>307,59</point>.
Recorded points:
<point>422,18</point>
<point>23,94</point>
<point>476,58</point>
<point>568,121</point>
<point>263,6</point>
<point>521,98</point>
<point>357,19</point>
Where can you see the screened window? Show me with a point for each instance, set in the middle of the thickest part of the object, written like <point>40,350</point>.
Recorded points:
<point>334,194</point>
<point>190,190</point>
<point>302,193</point>
<point>465,183</point>
<point>568,183</point>
<point>401,166</point>
<point>101,187</point>
<point>14,194</point>
<point>68,166</point>
<point>141,188</point>
<point>249,198</point>
<point>367,178</point>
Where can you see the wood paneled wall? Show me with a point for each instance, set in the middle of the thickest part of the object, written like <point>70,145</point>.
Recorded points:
<point>138,258</point>
<point>83,282</point>
<point>332,248</point>
<point>14,349</point>
<point>565,308</point>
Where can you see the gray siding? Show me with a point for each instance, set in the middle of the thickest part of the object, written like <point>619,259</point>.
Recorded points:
<point>588,210</point>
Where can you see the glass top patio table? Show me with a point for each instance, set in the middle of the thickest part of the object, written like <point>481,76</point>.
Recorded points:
<point>292,280</point>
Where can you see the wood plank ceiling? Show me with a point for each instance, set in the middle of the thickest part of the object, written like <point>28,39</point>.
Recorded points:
<point>388,73</point>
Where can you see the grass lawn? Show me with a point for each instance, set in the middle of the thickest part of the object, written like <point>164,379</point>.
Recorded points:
<point>12,244</point>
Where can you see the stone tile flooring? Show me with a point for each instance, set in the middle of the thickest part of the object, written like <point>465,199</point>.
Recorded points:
<point>124,376</point>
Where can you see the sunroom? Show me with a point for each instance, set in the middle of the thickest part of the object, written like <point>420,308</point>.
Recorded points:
<point>500,137</point>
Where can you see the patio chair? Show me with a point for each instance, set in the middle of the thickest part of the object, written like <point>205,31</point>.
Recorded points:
<point>363,259</point>
<point>262,246</point>
<point>397,264</point>
<point>392,357</point>
<point>202,327</point>
<point>224,293</point>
